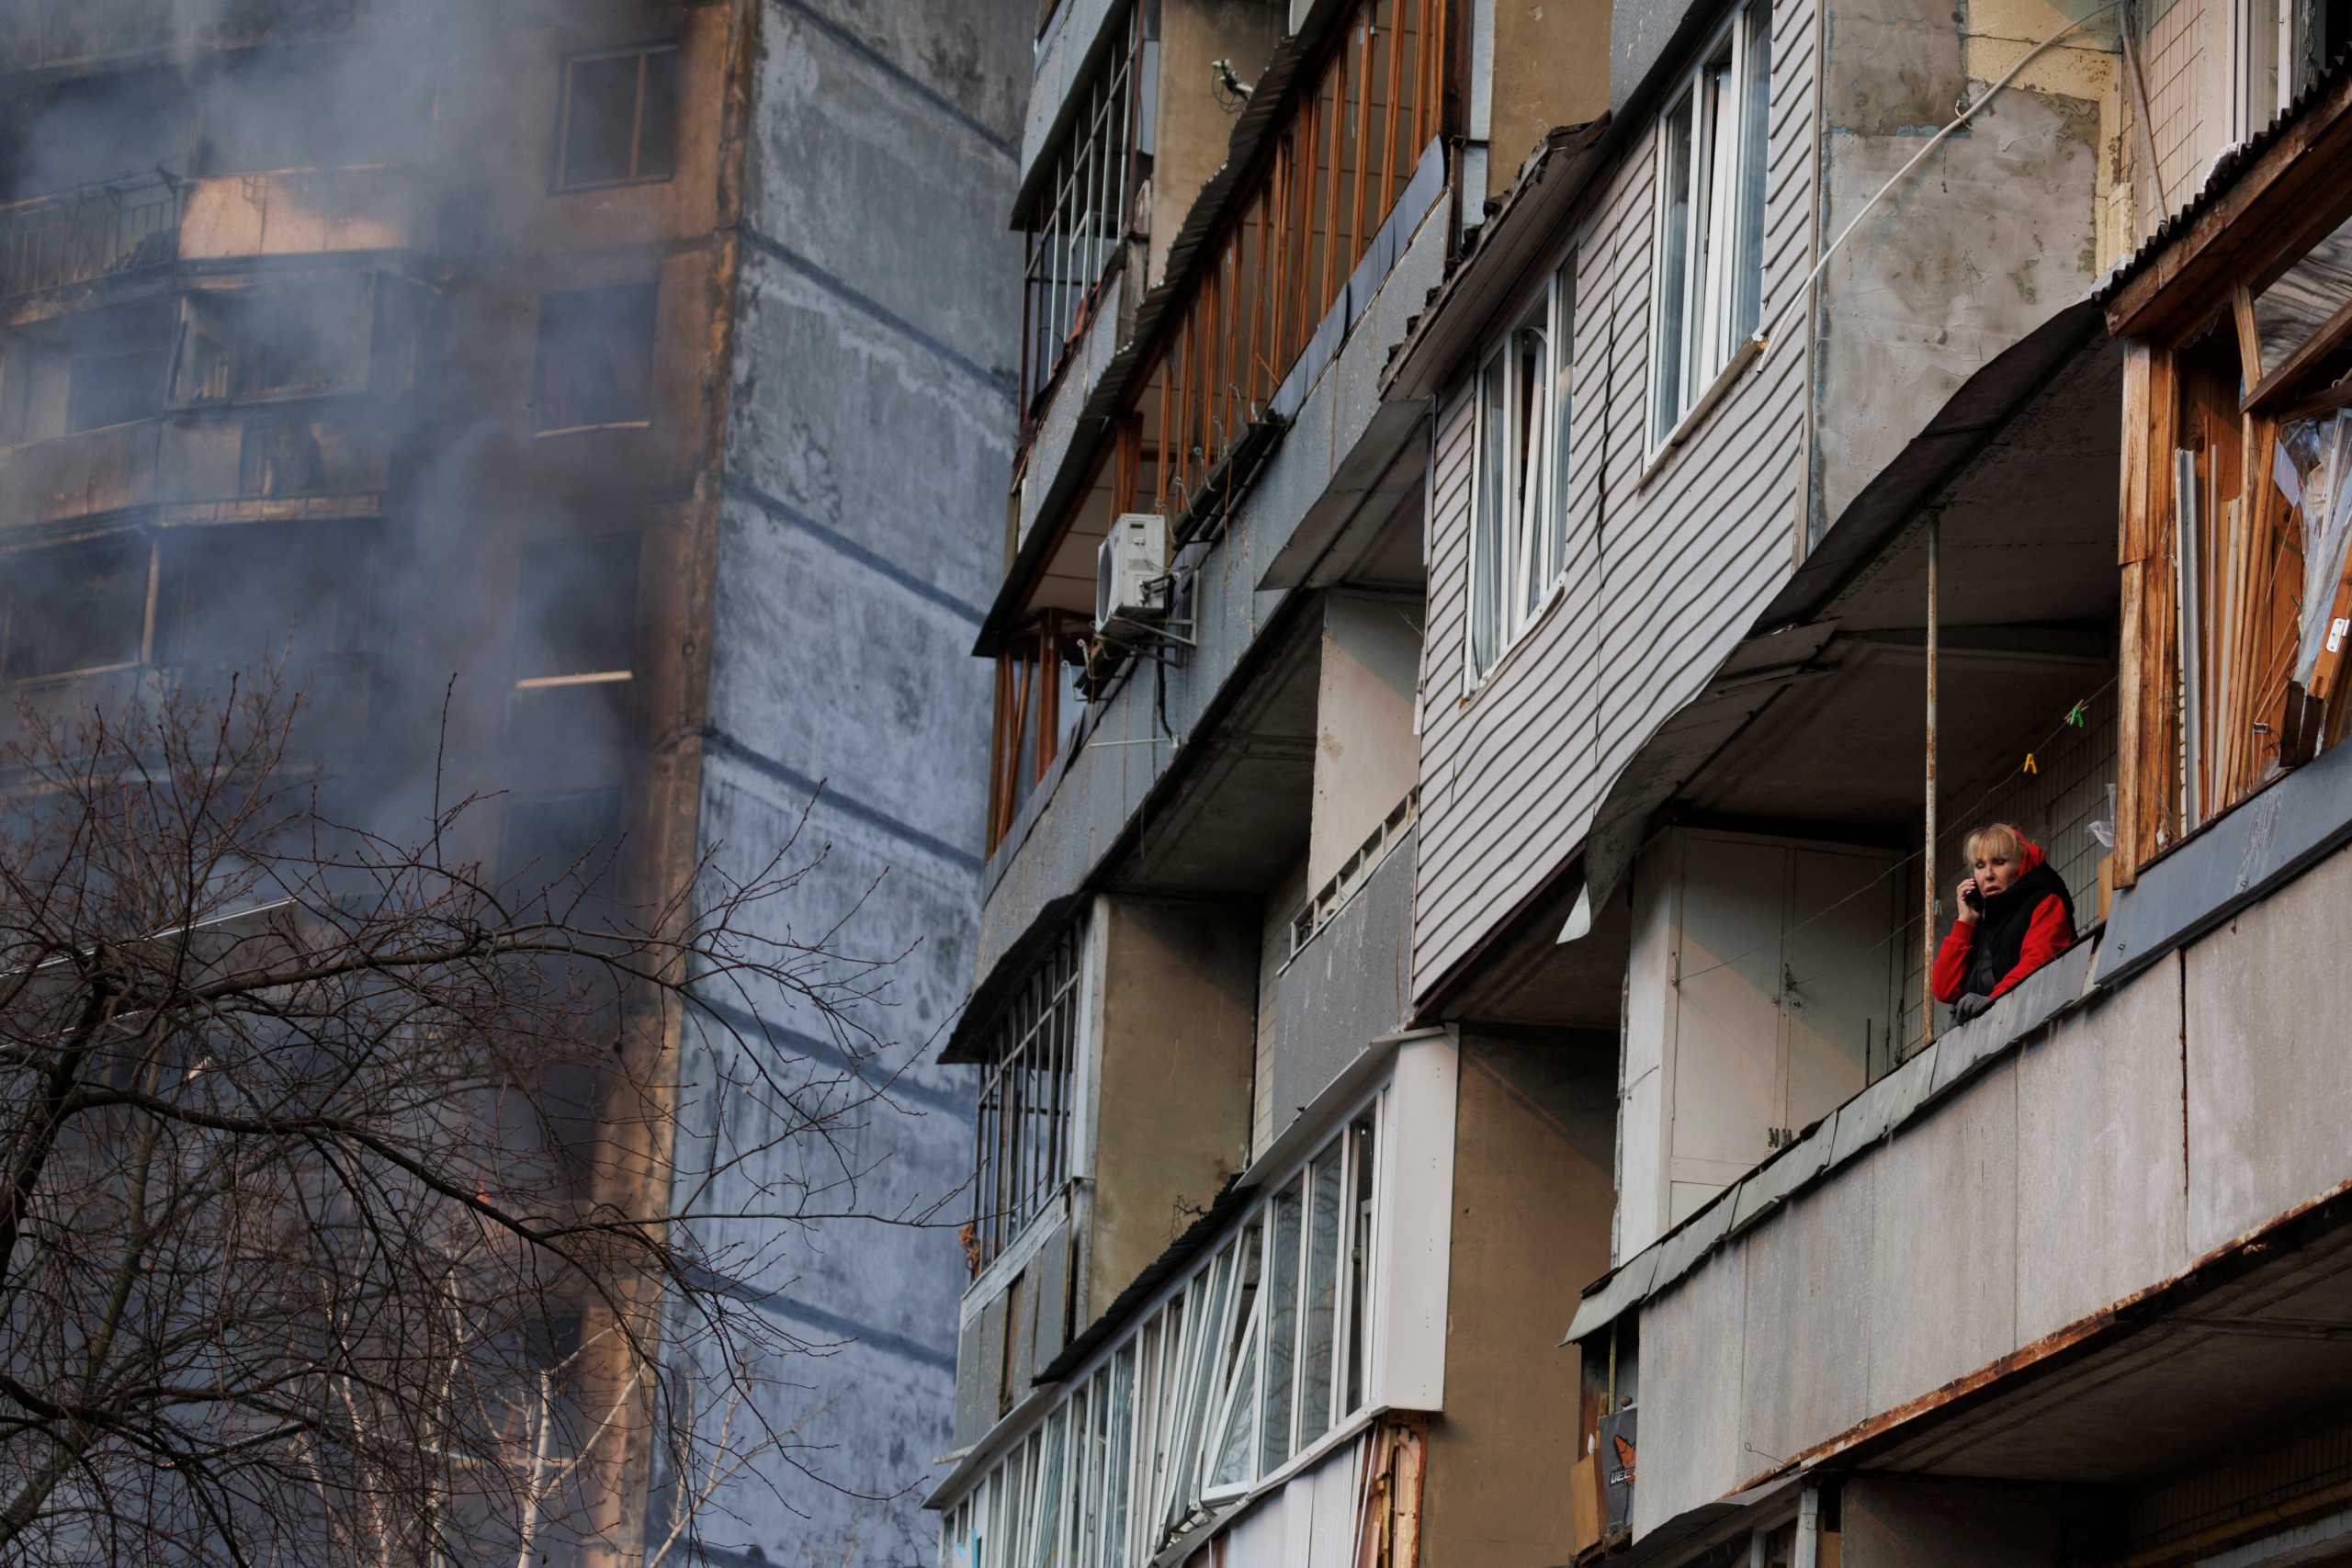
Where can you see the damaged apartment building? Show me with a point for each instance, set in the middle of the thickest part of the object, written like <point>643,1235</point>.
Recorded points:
<point>521,355</point>
<point>1536,533</point>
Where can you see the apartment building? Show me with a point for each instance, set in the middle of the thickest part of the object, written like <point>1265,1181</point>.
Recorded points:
<point>520,357</point>
<point>1487,712</point>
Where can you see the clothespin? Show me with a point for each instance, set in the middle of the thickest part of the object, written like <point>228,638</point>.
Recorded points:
<point>2031,765</point>
<point>2074,716</point>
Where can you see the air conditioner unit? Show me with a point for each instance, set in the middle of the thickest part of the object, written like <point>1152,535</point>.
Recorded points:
<point>1131,577</point>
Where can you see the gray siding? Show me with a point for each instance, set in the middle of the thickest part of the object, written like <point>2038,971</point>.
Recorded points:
<point>1663,576</point>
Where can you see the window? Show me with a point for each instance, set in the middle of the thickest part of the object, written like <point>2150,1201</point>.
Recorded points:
<point>1036,699</point>
<point>595,363</point>
<point>1706,281</point>
<point>1518,538</point>
<point>619,117</point>
<point>575,611</point>
<point>1263,1348</point>
<point>113,385</point>
<point>1079,220</point>
<point>75,608</point>
<point>1025,1105</point>
<point>237,597</point>
<point>559,854</point>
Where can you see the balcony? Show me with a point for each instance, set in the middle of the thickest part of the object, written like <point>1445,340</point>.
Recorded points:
<point>81,236</point>
<point>46,34</point>
<point>2109,1214</point>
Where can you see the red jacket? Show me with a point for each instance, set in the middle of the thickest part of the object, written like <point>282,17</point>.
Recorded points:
<point>2049,932</point>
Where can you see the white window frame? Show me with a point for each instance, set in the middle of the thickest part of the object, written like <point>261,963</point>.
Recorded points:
<point>1165,1474</point>
<point>1518,541</point>
<point>1715,233</point>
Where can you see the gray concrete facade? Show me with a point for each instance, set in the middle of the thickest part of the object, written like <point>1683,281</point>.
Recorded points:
<point>872,429</point>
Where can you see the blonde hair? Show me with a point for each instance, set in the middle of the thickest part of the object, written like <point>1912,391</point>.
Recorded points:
<point>1995,838</point>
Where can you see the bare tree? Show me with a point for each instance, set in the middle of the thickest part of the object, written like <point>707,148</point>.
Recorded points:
<point>348,1207</point>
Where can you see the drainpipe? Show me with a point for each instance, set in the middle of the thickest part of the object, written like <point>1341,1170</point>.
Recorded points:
<point>1927,859</point>
<point>1807,1553</point>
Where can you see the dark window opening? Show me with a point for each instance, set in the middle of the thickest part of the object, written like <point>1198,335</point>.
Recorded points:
<point>620,118</point>
<point>241,597</point>
<point>311,106</point>
<point>113,386</point>
<point>1022,1143</point>
<point>559,854</point>
<point>299,342</point>
<point>575,609</point>
<point>595,359</point>
<point>75,607</point>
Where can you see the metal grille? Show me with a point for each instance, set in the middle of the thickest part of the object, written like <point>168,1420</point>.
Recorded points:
<point>1075,236</point>
<point>93,232</point>
<point>1025,1109</point>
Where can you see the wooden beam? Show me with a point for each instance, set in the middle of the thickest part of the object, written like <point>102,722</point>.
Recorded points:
<point>2249,337</point>
<point>2333,338</point>
<point>2275,210</point>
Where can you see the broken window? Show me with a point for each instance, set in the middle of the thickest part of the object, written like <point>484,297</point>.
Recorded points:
<point>290,340</point>
<point>311,106</point>
<point>75,608</point>
<point>619,117</point>
<point>559,854</point>
<point>114,385</point>
<point>1025,1109</point>
<point>575,611</point>
<point>596,357</point>
<point>240,597</point>
<point>1706,281</point>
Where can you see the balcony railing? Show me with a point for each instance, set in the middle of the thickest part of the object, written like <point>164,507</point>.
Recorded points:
<point>99,231</point>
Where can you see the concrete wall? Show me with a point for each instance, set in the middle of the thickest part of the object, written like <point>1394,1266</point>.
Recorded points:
<point>1532,1199</point>
<point>1193,130</point>
<point>1366,757</point>
<point>871,430</point>
<point>1179,990</point>
<point>2030,1199</point>
<point>1997,230</point>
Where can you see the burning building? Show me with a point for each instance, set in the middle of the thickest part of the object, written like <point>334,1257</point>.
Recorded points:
<point>592,402</point>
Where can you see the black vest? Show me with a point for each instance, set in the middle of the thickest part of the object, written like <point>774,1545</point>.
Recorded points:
<point>2000,929</point>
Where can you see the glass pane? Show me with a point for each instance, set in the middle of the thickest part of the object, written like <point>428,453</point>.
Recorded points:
<point>1756,121</point>
<point>1668,276</point>
<point>1359,1266</point>
<point>1229,1465</point>
<point>1049,1492</point>
<point>1204,1360</point>
<point>1485,548</point>
<point>1282,1327</point>
<point>600,119</point>
<point>1322,1280</point>
<point>657,133</point>
<point>1532,380</point>
<point>1121,1485</point>
<point>1718,170</point>
<point>1563,339</point>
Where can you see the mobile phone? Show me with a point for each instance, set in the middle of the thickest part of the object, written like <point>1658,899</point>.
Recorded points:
<point>1975,899</point>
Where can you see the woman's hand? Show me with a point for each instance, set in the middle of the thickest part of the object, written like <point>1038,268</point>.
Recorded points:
<point>1968,911</point>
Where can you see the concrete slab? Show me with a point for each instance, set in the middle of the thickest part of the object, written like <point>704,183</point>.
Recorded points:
<point>1806,1367</point>
<point>1943,1260</point>
<point>2268,1000</point>
<point>2101,1209</point>
<point>1691,1346</point>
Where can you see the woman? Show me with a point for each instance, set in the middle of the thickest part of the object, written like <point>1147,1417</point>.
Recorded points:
<point>2015,916</point>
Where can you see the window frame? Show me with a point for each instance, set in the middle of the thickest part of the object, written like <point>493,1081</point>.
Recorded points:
<point>1176,1364</point>
<point>134,541</point>
<point>559,181</point>
<point>1048,1010</point>
<point>1714,314</point>
<point>1518,563</point>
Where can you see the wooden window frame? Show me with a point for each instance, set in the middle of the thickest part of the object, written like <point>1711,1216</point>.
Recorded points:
<point>643,54</point>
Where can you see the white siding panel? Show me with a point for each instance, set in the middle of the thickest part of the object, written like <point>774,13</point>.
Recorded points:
<point>1667,571</point>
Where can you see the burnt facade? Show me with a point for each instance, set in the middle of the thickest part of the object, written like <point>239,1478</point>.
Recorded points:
<point>525,359</point>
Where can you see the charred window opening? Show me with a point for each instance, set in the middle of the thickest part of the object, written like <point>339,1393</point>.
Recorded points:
<point>304,341</point>
<point>559,854</point>
<point>595,359</point>
<point>620,118</point>
<point>310,107</point>
<point>80,133</point>
<point>314,575</point>
<point>575,612</point>
<point>111,385</point>
<point>75,608</point>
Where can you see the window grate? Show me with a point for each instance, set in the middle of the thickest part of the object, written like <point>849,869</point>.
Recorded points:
<point>1022,1135</point>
